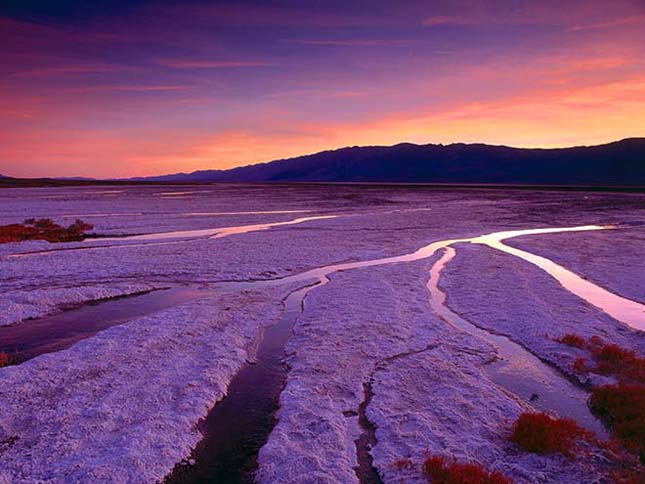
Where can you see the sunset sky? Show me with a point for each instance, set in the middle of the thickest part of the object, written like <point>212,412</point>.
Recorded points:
<point>113,89</point>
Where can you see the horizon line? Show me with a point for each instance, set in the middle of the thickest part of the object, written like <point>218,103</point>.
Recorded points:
<point>134,178</point>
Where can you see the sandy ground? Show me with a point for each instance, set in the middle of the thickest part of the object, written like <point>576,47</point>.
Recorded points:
<point>122,406</point>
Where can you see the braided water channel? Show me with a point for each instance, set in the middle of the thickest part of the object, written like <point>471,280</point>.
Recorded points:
<point>240,424</point>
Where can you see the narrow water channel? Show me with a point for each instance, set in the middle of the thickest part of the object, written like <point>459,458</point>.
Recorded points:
<point>240,424</point>
<point>622,309</point>
<point>59,331</point>
<point>518,371</point>
<point>218,232</point>
<point>166,238</point>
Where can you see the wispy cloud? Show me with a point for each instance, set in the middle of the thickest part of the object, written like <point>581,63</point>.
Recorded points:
<point>247,15</point>
<point>69,70</point>
<point>210,64</point>
<point>588,15</point>
<point>620,22</point>
<point>133,88</point>
<point>356,42</point>
<point>437,20</point>
<point>320,93</point>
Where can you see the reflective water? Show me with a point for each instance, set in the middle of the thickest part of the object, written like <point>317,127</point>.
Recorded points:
<point>518,370</point>
<point>59,331</point>
<point>217,233</point>
<point>240,424</point>
<point>622,309</point>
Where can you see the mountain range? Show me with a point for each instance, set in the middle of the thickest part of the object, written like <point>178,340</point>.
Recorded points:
<point>619,163</point>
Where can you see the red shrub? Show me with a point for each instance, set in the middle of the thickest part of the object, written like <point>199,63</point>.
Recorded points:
<point>580,366</point>
<point>595,340</point>
<point>611,359</point>
<point>43,223</point>
<point>622,408</point>
<point>6,359</point>
<point>43,229</point>
<point>632,476</point>
<point>440,472</point>
<point>572,340</point>
<point>404,463</point>
<point>543,434</point>
<point>16,233</point>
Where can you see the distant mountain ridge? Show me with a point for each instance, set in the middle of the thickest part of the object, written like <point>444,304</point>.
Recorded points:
<point>620,163</point>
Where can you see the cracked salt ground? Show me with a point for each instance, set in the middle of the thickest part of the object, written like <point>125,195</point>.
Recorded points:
<point>106,412</point>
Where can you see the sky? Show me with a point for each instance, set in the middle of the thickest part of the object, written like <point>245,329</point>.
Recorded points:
<point>108,88</point>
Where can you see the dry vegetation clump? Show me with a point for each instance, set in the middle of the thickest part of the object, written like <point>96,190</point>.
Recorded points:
<point>542,434</point>
<point>628,476</point>
<point>610,359</point>
<point>7,359</point>
<point>613,360</point>
<point>572,340</point>
<point>580,366</point>
<point>43,229</point>
<point>404,463</point>
<point>622,408</point>
<point>438,471</point>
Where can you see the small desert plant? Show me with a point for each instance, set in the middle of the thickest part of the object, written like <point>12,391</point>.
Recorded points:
<point>611,359</point>
<point>439,471</point>
<point>7,359</point>
<point>631,476</point>
<point>596,340</point>
<point>404,463</point>
<point>622,408</point>
<point>44,223</point>
<point>572,340</point>
<point>580,366</point>
<point>542,434</point>
<point>43,229</point>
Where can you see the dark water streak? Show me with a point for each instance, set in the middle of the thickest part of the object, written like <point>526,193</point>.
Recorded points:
<point>33,337</point>
<point>240,424</point>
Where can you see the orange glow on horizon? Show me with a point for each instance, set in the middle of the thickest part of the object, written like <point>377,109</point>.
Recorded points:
<point>579,81</point>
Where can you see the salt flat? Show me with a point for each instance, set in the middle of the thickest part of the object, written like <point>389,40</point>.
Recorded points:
<point>123,405</point>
